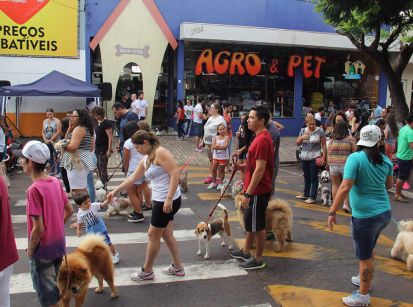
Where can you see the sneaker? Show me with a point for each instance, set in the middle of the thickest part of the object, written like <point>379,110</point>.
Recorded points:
<point>187,136</point>
<point>136,217</point>
<point>212,185</point>
<point>302,197</point>
<point>140,274</point>
<point>171,270</point>
<point>406,186</point>
<point>240,255</point>
<point>179,139</point>
<point>115,258</point>
<point>355,280</point>
<point>357,299</point>
<point>146,208</point>
<point>219,186</point>
<point>208,180</point>
<point>218,181</point>
<point>309,201</point>
<point>252,264</point>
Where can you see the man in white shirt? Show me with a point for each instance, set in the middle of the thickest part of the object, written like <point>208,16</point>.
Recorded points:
<point>319,114</point>
<point>134,104</point>
<point>197,124</point>
<point>142,106</point>
<point>189,110</point>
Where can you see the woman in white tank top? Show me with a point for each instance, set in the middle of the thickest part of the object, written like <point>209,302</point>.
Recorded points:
<point>158,166</point>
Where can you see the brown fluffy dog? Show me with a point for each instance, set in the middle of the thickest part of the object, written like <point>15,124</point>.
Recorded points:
<point>279,220</point>
<point>91,258</point>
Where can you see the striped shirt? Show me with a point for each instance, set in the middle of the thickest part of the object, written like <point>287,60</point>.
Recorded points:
<point>84,153</point>
<point>339,150</point>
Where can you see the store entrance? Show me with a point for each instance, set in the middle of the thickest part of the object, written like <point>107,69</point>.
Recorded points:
<point>130,82</point>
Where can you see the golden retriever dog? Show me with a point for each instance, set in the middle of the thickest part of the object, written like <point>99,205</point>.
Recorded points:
<point>403,246</point>
<point>91,258</point>
<point>279,220</point>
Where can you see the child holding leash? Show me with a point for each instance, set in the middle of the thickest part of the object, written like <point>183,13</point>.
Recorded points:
<point>220,156</point>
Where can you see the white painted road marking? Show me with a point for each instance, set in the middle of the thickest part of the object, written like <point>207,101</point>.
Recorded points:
<point>22,219</point>
<point>22,283</point>
<point>121,238</point>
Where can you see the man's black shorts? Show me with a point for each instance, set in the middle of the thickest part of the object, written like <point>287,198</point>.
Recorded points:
<point>254,215</point>
<point>404,169</point>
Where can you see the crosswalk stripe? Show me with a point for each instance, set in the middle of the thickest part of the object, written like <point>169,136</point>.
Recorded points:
<point>121,238</point>
<point>21,218</point>
<point>22,283</point>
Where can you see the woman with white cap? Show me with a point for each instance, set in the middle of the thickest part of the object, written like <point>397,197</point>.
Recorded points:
<point>368,174</point>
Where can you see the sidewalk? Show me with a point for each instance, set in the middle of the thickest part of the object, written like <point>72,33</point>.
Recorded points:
<point>184,153</point>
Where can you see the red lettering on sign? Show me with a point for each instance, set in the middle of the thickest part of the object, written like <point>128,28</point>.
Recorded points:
<point>294,62</point>
<point>204,58</point>
<point>307,71</point>
<point>307,62</point>
<point>236,62</point>
<point>319,61</point>
<point>221,64</point>
<point>252,64</point>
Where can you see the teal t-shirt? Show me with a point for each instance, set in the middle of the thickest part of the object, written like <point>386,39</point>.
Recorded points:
<point>404,152</point>
<point>368,196</point>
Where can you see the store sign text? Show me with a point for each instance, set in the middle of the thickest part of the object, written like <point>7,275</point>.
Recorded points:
<point>225,61</point>
<point>250,63</point>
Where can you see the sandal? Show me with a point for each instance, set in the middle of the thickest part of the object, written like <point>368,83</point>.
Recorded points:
<point>400,199</point>
<point>302,197</point>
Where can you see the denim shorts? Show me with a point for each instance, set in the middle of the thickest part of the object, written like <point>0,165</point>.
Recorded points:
<point>336,170</point>
<point>366,231</point>
<point>106,238</point>
<point>198,129</point>
<point>44,276</point>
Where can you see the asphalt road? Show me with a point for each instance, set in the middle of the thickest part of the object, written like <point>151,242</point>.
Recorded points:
<point>314,270</point>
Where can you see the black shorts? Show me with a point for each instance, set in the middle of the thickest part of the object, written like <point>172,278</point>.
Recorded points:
<point>404,169</point>
<point>160,219</point>
<point>254,215</point>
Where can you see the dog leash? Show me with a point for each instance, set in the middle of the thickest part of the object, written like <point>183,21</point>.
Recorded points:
<point>67,279</point>
<point>110,177</point>
<point>396,222</point>
<point>234,162</point>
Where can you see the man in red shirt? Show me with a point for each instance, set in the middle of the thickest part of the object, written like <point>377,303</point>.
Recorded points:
<point>257,188</point>
<point>7,245</point>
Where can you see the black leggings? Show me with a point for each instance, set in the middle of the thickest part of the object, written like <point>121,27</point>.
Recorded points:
<point>65,180</point>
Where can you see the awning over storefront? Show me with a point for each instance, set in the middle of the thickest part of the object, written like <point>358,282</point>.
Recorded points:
<point>262,36</point>
<point>53,84</point>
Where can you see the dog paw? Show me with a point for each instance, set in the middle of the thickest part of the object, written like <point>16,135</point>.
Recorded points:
<point>223,244</point>
<point>99,290</point>
<point>206,256</point>
<point>114,295</point>
<point>198,253</point>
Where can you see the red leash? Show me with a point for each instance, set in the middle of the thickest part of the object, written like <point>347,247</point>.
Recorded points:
<point>234,162</point>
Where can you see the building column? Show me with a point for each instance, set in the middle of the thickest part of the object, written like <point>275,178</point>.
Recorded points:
<point>171,73</point>
<point>382,89</point>
<point>180,90</point>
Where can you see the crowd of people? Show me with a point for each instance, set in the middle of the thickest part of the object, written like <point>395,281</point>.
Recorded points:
<point>356,149</point>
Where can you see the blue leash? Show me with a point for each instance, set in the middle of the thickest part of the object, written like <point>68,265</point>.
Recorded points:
<point>396,222</point>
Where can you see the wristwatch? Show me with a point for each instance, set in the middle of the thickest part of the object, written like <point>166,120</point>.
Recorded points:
<point>331,214</point>
<point>247,195</point>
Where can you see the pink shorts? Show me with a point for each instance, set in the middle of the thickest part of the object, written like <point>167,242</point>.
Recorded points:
<point>220,162</point>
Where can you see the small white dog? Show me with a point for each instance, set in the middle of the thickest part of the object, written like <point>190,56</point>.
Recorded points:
<point>100,191</point>
<point>119,206</point>
<point>326,196</point>
<point>74,156</point>
<point>403,246</point>
<point>236,188</point>
<point>325,176</point>
<point>204,232</point>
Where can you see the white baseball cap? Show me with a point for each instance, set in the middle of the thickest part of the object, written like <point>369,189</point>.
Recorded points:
<point>369,135</point>
<point>34,150</point>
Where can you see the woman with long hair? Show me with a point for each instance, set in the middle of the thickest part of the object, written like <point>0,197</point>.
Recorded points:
<point>180,120</point>
<point>391,132</point>
<point>210,130</point>
<point>51,133</point>
<point>245,137</point>
<point>158,166</point>
<point>340,146</point>
<point>79,136</point>
<point>368,174</point>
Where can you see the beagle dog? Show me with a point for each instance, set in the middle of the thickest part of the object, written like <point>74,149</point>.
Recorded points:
<point>204,232</point>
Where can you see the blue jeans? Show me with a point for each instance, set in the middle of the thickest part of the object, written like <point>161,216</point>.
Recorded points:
<point>44,277</point>
<point>54,164</point>
<point>188,124</point>
<point>180,128</point>
<point>91,187</point>
<point>310,170</point>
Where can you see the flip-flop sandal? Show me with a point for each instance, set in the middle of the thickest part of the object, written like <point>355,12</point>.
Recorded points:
<point>400,200</point>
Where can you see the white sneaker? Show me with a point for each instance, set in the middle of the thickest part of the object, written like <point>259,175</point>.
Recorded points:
<point>357,299</point>
<point>355,280</point>
<point>212,185</point>
<point>219,186</point>
<point>171,270</point>
<point>115,258</point>
<point>140,275</point>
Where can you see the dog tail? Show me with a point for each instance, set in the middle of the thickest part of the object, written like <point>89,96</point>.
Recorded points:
<point>279,204</point>
<point>90,242</point>
<point>222,207</point>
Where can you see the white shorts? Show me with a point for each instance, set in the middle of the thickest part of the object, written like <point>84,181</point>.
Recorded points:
<point>5,286</point>
<point>77,178</point>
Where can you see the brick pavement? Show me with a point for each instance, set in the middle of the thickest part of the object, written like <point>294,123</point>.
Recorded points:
<point>183,151</point>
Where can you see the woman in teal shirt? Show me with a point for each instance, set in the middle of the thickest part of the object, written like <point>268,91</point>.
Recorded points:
<point>368,174</point>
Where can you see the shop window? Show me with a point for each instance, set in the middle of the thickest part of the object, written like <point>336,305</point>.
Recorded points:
<point>245,75</point>
<point>346,78</point>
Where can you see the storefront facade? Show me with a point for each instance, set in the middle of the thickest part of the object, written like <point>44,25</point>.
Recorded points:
<point>279,53</point>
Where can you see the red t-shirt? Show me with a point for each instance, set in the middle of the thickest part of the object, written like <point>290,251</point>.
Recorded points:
<point>7,242</point>
<point>181,113</point>
<point>260,149</point>
<point>46,198</point>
